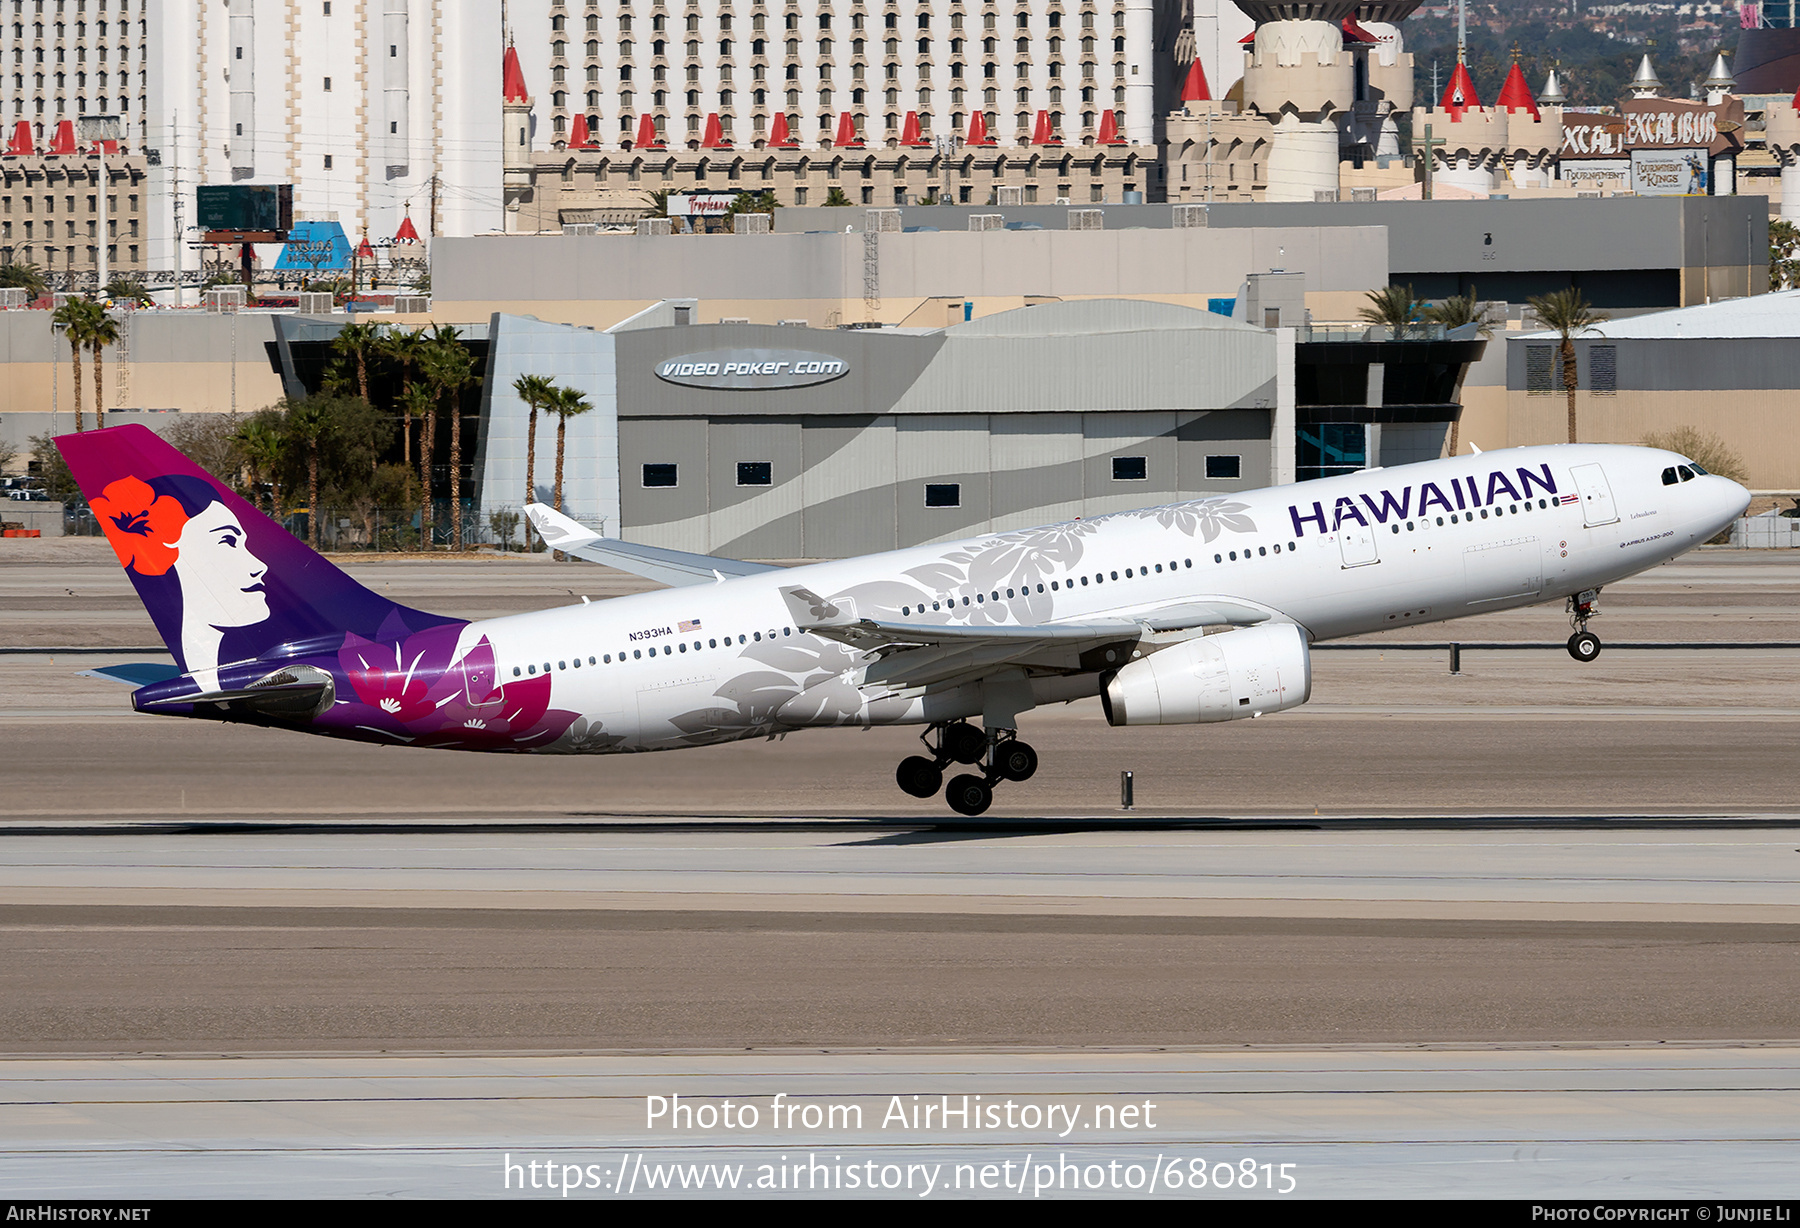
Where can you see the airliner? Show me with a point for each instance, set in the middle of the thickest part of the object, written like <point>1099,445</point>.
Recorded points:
<point>1194,612</point>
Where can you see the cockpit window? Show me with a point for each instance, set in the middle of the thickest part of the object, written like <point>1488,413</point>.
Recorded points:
<point>1697,469</point>
<point>1687,475</point>
<point>1669,478</point>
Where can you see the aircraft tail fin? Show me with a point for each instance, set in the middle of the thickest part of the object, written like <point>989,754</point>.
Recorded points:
<point>222,581</point>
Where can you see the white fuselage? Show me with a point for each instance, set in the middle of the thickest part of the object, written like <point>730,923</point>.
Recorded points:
<point>1338,556</point>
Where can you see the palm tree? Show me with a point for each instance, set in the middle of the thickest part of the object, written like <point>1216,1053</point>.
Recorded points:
<point>449,370</point>
<point>103,332</point>
<point>129,289</point>
<point>1394,308</point>
<point>566,403</point>
<point>1568,313</point>
<point>28,277</point>
<point>1461,309</point>
<point>75,318</point>
<point>355,343</point>
<point>261,442</point>
<point>418,402</point>
<point>536,391</point>
<point>307,424</point>
<point>405,348</point>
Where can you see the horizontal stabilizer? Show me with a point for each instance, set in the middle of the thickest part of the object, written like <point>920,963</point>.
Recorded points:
<point>671,567</point>
<point>293,693</point>
<point>136,674</point>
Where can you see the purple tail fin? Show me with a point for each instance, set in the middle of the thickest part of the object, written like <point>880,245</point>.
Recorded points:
<point>222,581</point>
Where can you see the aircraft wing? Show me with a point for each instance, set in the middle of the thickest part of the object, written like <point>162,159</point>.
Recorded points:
<point>917,655</point>
<point>671,567</point>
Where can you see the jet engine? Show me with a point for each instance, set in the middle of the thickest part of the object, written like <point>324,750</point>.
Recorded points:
<point>1222,677</point>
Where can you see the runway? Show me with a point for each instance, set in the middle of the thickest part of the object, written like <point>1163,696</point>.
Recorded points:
<point>1530,930</point>
<point>1545,1123</point>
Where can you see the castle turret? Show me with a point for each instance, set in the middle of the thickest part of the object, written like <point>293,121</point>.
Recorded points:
<point>1719,82</point>
<point>1552,93</point>
<point>1533,137</point>
<point>1473,136</point>
<point>1644,82</point>
<point>1299,77</point>
<point>1215,150</point>
<point>515,160</point>
<point>1781,127</point>
<point>1387,85</point>
<point>1718,85</point>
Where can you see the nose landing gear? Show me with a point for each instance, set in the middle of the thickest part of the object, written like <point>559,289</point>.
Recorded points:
<point>970,794</point>
<point>1584,645</point>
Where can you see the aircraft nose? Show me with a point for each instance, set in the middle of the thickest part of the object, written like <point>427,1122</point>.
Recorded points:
<point>1728,501</point>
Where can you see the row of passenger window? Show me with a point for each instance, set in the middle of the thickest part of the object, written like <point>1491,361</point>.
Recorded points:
<point>1425,522</point>
<point>1055,586</point>
<point>637,654</point>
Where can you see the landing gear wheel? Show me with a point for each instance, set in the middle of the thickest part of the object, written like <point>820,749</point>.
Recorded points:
<point>963,742</point>
<point>1015,760</point>
<point>1584,646</point>
<point>970,795</point>
<point>919,776</point>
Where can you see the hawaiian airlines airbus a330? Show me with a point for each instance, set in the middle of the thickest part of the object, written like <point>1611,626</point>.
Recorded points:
<point>1195,612</point>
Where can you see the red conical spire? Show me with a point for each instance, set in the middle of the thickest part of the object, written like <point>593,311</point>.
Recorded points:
<point>578,133</point>
<point>364,251</point>
<point>714,136</point>
<point>1109,128</point>
<point>781,136</point>
<point>1515,95</point>
<point>909,131</point>
<point>1459,95</point>
<point>22,144</point>
<point>846,132</point>
<point>64,140</point>
<point>1042,133</point>
<point>512,77</point>
<point>406,233</point>
<point>646,133</point>
<point>1195,89</point>
<point>978,133</point>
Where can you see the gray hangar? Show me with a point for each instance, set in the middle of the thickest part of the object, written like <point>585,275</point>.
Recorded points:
<point>788,442</point>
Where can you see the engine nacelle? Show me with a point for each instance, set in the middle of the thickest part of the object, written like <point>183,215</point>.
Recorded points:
<point>1223,677</point>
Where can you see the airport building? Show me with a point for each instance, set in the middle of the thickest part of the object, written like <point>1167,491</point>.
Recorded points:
<point>784,441</point>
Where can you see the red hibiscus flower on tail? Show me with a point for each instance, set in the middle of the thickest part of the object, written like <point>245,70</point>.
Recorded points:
<point>142,526</point>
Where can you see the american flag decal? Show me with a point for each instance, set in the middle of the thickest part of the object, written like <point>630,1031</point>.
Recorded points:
<point>1567,499</point>
<point>690,626</point>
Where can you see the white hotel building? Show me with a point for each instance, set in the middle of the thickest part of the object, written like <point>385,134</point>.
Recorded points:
<point>374,109</point>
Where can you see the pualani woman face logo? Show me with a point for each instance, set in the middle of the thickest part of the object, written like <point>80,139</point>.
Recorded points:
<point>178,524</point>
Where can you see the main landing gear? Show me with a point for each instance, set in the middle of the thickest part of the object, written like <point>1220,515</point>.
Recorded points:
<point>1584,645</point>
<point>1006,758</point>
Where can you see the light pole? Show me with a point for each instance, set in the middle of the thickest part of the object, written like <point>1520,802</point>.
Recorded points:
<point>99,129</point>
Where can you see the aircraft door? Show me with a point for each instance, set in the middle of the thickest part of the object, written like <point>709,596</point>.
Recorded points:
<point>1596,495</point>
<point>1358,544</point>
